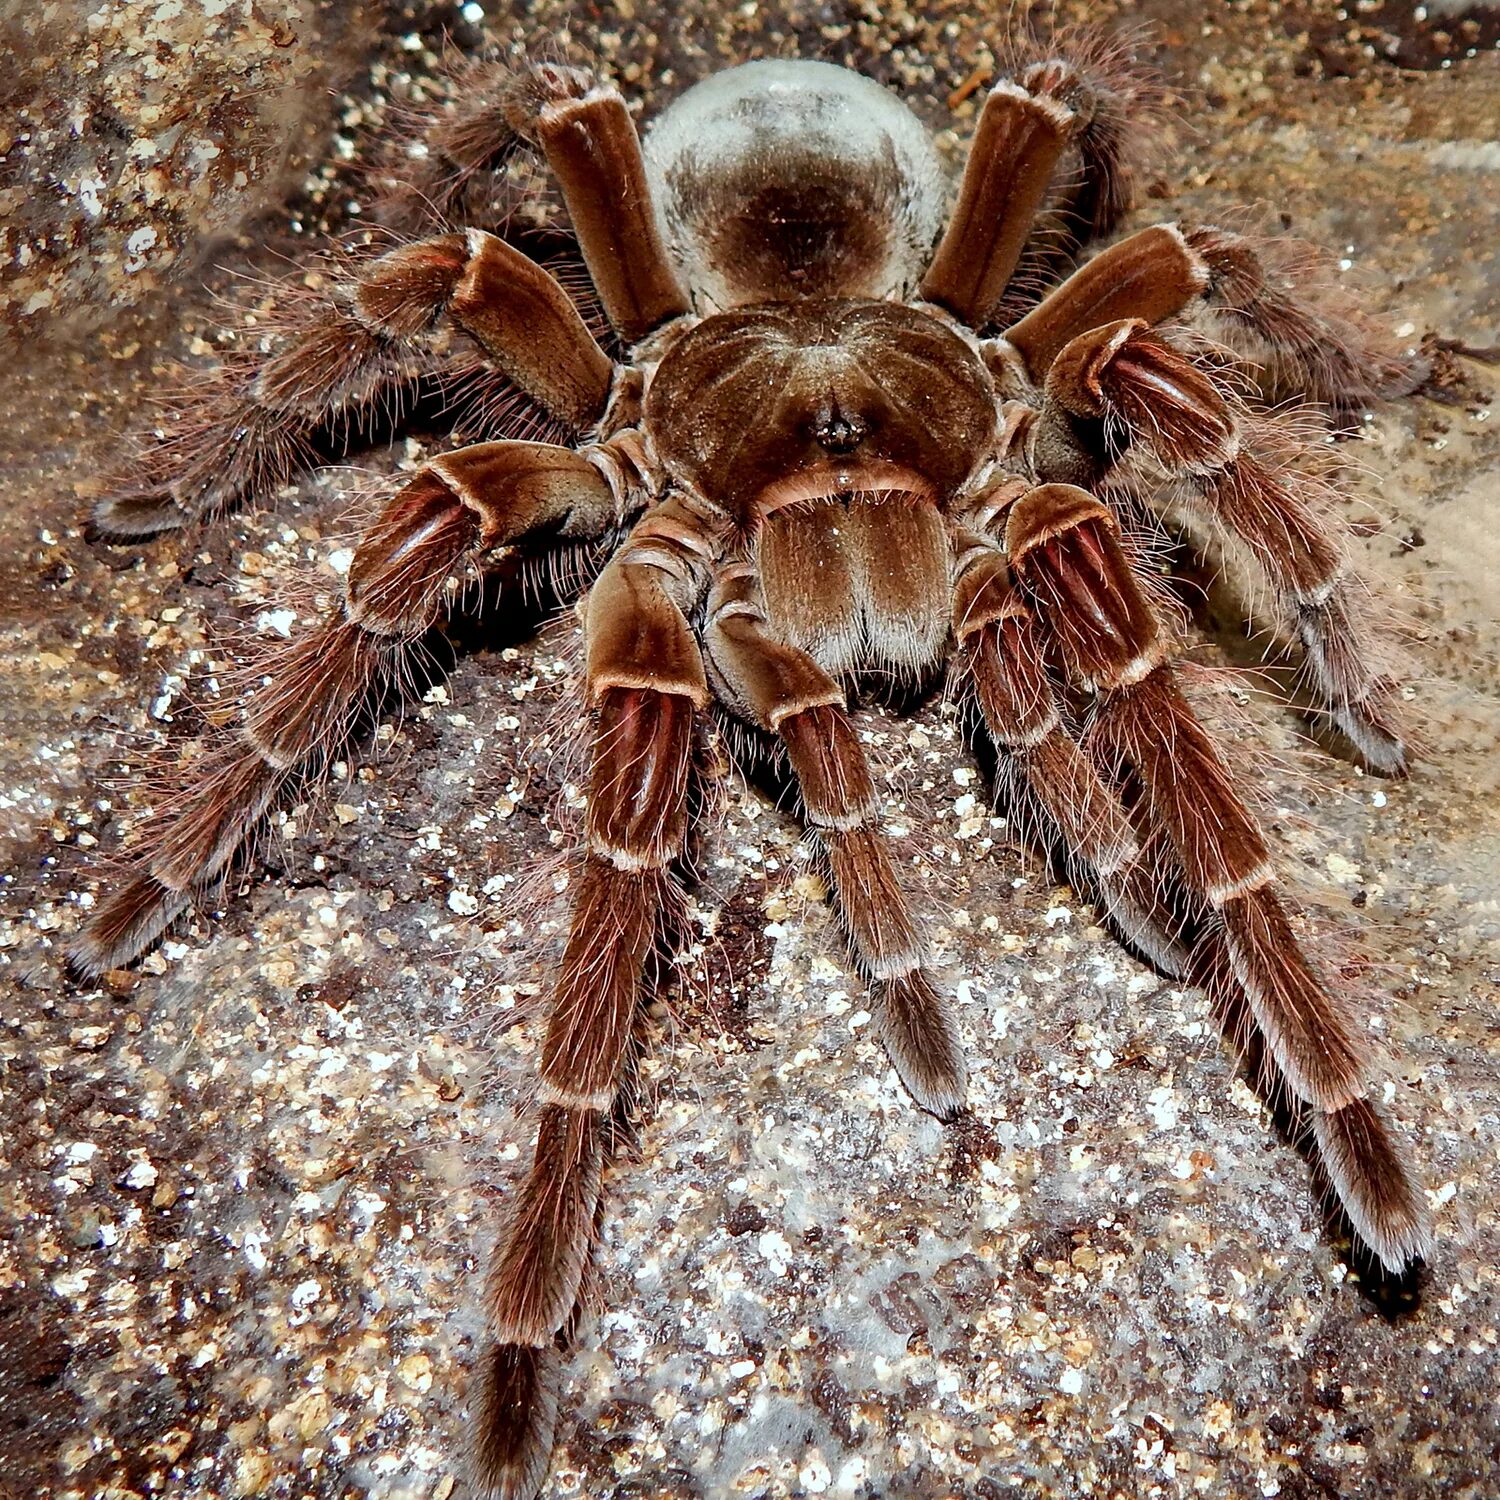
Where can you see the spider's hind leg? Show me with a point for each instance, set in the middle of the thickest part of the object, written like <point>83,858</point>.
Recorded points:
<point>1051,166</point>
<point>584,128</point>
<point>1116,103</point>
<point>464,155</point>
<point>1013,158</point>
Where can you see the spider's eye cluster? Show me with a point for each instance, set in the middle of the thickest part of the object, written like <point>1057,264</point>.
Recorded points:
<point>839,432</point>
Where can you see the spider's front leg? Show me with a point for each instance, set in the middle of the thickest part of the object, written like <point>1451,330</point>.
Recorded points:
<point>252,426</point>
<point>1063,546</point>
<point>1361,1160</point>
<point>646,684</point>
<point>1121,384</point>
<point>457,508</point>
<point>1001,661</point>
<point>1002,654</point>
<point>784,691</point>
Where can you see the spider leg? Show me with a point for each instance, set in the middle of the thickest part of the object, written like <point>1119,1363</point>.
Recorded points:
<point>1279,515</point>
<point>1262,298</point>
<point>647,685</point>
<point>1365,1167</point>
<point>1150,275</point>
<point>448,161</point>
<point>1003,654</point>
<point>318,685</point>
<point>1362,1164</point>
<point>1019,140</point>
<point>1122,384</point>
<point>1063,546</point>
<point>783,690</point>
<point>591,145</point>
<point>1274,302</point>
<point>1146,899</point>
<point>1051,164</point>
<point>1113,99</point>
<point>254,425</point>
<point>1055,787</point>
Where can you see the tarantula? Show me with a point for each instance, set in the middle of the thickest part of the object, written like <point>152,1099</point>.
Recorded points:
<point>842,435</point>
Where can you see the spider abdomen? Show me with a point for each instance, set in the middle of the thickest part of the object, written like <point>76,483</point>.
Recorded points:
<point>781,180</point>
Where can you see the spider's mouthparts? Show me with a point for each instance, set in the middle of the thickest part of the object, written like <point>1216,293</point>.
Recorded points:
<point>828,481</point>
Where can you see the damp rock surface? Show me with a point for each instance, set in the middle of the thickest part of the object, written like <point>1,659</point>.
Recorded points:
<point>248,1183</point>
<point>136,137</point>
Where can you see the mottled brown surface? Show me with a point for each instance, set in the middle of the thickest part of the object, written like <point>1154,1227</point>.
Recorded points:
<point>135,136</point>
<point>245,1182</point>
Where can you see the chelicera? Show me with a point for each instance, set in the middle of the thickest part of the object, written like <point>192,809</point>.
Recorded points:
<point>839,429</point>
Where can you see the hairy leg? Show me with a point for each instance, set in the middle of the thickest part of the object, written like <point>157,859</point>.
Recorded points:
<point>1002,658</point>
<point>1275,302</point>
<point>1012,159</point>
<point>1064,548</point>
<point>591,145</point>
<point>1147,901</point>
<point>254,424</point>
<point>1051,166</point>
<point>1114,99</point>
<point>647,686</point>
<point>1364,1165</point>
<point>1265,299</point>
<point>1121,385</point>
<point>583,128</point>
<point>1056,792</point>
<point>318,685</point>
<point>783,690</point>
<point>465,156</point>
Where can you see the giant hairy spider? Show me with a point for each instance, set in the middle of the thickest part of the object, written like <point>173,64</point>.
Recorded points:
<point>841,434</point>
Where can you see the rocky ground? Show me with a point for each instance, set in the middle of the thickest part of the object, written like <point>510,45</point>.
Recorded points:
<point>246,1182</point>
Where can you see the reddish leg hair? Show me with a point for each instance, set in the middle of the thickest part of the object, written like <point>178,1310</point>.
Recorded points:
<point>1014,154</point>
<point>1197,892</point>
<point>1122,386</point>
<point>1063,545</point>
<point>255,423</point>
<point>783,690</point>
<point>318,684</point>
<point>1365,1169</point>
<point>592,147</point>
<point>647,686</point>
